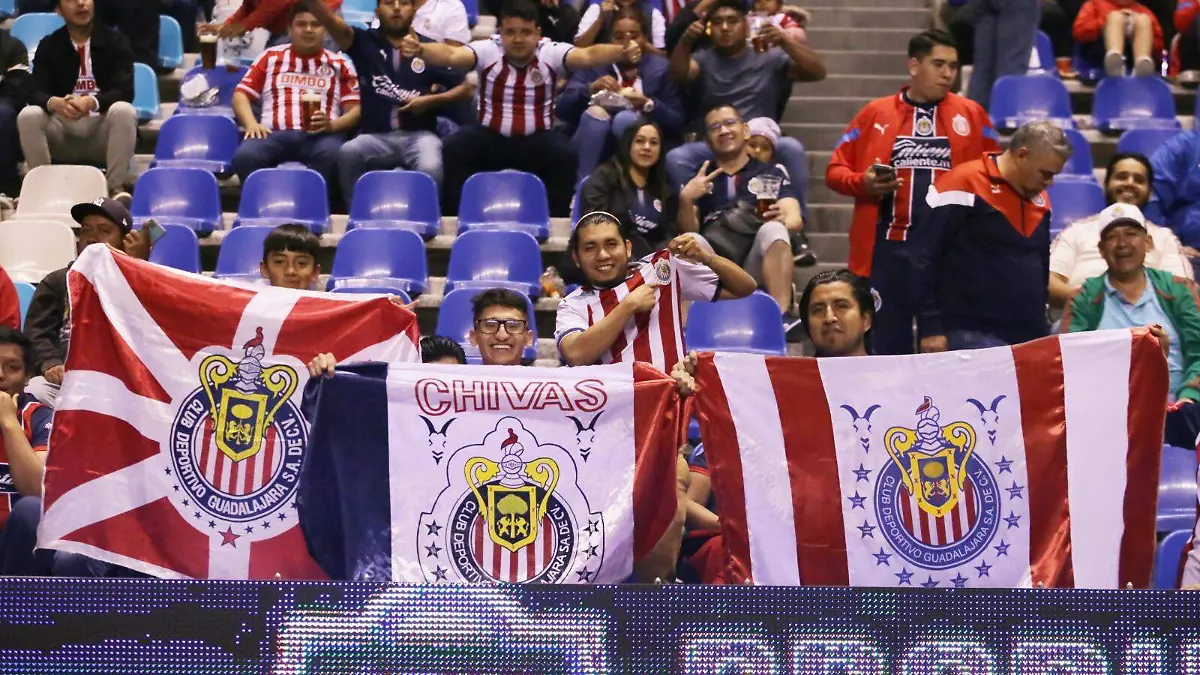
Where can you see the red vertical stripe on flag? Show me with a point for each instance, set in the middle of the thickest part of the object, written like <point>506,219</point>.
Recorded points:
<point>497,551</point>
<point>940,525</point>
<point>724,468</point>
<point>656,414</point>
<point>811,453</point>
<point>668,298</point>
<point>478,532</point>
<point>1040,383</point>
<point>1148,380</point>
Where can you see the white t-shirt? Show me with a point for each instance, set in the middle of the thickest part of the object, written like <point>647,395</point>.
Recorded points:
<point>1075,252</point>
<point>441,20</point>
<point>658,25</point>
<point>655,337</point>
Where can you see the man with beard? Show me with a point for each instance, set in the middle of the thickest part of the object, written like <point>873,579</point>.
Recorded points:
<point>399,95</point>
<point>632,312</point>
<point>1075,254</point>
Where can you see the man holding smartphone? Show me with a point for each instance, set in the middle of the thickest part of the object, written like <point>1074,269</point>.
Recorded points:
<point>48,325</point>
<point>888,159</point>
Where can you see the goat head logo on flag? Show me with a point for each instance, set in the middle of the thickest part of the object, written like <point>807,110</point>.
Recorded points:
<point>244,397</point>
<point>512,512</point>
<point>942,497</point>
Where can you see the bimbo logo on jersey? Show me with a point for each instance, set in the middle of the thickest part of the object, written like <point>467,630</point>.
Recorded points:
<point>237,442</point>
<point>511,512</point>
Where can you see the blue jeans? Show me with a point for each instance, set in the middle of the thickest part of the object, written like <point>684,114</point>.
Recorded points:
<point>18,557</point>
<point>594,139</point>
<point>416,150</point>
<point>972,339</point>
<point>683,163</point>
<point>1004,34</point>
<point>318,152</point>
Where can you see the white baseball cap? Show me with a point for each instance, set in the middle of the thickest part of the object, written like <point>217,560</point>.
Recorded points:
<point>1121,214</point>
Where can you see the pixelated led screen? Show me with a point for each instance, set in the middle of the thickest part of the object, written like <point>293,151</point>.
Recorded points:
<point>133,627</point>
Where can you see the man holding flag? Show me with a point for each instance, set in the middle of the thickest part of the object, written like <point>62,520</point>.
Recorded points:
<point>631,311</point>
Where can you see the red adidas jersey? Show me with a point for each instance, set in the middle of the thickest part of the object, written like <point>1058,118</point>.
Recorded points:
<point>279,77</point>
<point>654,337</point>
<point>921,142</point>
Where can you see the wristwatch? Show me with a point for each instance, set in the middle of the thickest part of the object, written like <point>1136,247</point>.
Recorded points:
<point>648,107</point>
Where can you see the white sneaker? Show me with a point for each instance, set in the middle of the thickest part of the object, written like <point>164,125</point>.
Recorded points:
<point>1114,64</point>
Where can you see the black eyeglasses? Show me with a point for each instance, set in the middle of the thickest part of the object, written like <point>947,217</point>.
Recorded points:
<point>511,326</point>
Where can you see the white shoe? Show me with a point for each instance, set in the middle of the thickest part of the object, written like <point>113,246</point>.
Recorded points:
<point>1144,68</point>
<point>1114,64</point>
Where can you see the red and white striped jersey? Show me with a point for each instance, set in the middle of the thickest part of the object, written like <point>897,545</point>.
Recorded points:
<point>518,101</point>
<point>85,84</point>
<point>655,337</point>
<point>279,77</point>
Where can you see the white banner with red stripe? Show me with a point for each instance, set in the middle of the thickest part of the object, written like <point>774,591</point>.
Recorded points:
<point>1003,467</point>
<point>178,439</point>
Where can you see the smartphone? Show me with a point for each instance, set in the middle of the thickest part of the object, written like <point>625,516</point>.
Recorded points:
<point>884,171</point>
<point>154,231</point>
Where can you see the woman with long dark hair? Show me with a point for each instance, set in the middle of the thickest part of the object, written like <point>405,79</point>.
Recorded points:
<point>632,185</point>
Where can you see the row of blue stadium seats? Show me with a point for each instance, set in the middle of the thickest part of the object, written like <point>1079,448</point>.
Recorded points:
<point>504,200</point>
<point>1119,103</point>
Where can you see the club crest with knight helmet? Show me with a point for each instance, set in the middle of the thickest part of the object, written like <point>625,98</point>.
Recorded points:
<point>237,441</point>
<point>937,502</point>
<point>511,512</point>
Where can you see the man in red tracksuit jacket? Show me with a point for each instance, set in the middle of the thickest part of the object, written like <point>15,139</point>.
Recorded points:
<point>921,132</point>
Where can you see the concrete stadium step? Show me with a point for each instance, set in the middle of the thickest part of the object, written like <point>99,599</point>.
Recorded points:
<point>853,85</point>
<point>863,62</point>
<point>871,4</point>
<point>886,39</point>
<point>823,109</point>
<point>916,19</point>
<point>831,247</point>
<point>815,136</point>
<point>819,193</point>
<point>830,219</point>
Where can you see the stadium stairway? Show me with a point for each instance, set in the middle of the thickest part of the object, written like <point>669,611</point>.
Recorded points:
<point>864,44</point>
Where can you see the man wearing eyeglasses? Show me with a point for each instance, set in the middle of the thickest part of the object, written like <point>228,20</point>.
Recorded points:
<point>501,327</point>
<point>706,200</point>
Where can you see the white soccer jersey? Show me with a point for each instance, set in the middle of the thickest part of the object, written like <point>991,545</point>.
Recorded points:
<point>655,337</point>
<point>518,101</point>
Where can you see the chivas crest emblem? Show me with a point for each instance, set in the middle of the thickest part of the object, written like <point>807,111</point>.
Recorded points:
<point>244,397</point>
<point>512,512</point>
<point>237,442</point>
<point>936,501</point>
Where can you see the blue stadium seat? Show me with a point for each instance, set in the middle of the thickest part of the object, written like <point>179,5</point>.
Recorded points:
<point>505,201</point>
<point>31,28</point>
<point>197,142</point>
<point>224,81</point>
<point>1145,141</point>
<point>455,320</point>
<point>1079,167</point>
<point>1176,489</point>
<point>24,296</point>
<point>179,196</point>
<point>145,92</point>
<point>241,253</point>
<point>170,42</point>
<point>575,210</point>
<point>472,7</point>
<point>401,295</point>
<point>693,431</point>
<point>1133,103</point>
<point>383,260</point>
<point>274,197</point>
<point>397,199</point>
<point>1017,99</point>
<point>749,325</point>
<point>7,8</point>
<point>1045,56</point>
<point>495,259</point>
<point>178,248</point>
<point>1168,559</point>
<point>1073,200</point>
<point>359,11</point>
